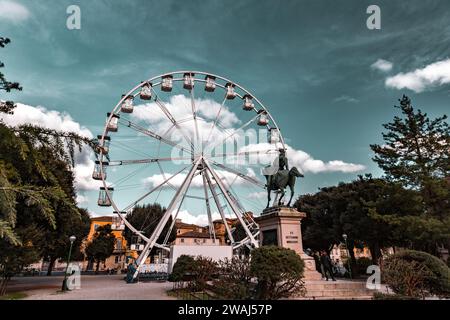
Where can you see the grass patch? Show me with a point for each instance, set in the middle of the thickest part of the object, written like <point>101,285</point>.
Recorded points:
<point>14,296</point>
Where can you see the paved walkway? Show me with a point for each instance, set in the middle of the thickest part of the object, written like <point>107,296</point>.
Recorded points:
<point>93,287</point>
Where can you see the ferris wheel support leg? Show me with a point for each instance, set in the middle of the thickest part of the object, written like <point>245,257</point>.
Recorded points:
<point>233,205</point>
<point>208,209</point>
<point>219,207</point>
<point>162,223</point>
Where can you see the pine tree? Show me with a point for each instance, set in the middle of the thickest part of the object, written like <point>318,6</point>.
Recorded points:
<point>416,153</point>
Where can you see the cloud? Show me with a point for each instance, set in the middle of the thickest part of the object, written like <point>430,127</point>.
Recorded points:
<point>419,80</point>
<point>13,11</point>
<point>197,182</point>
<point>382,65</point>
<point>40,116</point>
<point>179,107</point>
<point>200,220</point>
<point>345,98</point>
<point>302,160</point>
<point>257,195</point>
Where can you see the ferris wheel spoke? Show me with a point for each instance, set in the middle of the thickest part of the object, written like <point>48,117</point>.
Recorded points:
<point>169,116</point>
<point>132,205</point>
<point>242,153</point>
<point>194,114</point>
<point>240,174</point>
<point>215,120</point>
<point>233,205</point>
<point>148,160</point>
<point>233,133</point>
<point>154,135</point>
<point>208,209</point>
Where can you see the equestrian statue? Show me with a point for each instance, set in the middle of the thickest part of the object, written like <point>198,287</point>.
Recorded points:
<point>278,177</point>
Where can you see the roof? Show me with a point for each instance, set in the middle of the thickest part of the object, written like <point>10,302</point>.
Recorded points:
<point>103,218</point>
<point>194,234</point>
<point>186,225</point>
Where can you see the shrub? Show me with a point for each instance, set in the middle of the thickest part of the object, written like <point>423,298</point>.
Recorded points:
<point>416,273</point>
<point>279,272</point>
<point>384,296</point>
<point>182,268</point>
<point>362,264</point>
<point>235,279</point>
<point>204,269</point>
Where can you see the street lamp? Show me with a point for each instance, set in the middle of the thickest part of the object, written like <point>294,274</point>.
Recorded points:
<point>64,284</point>
<point>349,257</point>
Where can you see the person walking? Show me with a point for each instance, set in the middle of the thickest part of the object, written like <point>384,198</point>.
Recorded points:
<point>325,261</point>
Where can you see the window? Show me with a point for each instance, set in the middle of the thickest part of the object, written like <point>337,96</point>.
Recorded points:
<point>116,259</point>
<point>182,240</point>
<point>96,226</point>
<point>119,244</point>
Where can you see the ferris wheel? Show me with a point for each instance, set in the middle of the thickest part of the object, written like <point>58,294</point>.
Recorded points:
<point>192,141</point>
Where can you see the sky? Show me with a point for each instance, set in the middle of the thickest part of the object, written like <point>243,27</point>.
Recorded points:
<point>328,81</point>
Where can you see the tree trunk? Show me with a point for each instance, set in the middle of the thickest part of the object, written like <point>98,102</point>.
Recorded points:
<point>97,267</point>
<point>375,252</point>
<point>51,264</point>
<point>3,285</point>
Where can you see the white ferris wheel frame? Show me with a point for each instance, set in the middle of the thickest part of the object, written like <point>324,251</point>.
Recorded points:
<point>200,161</point>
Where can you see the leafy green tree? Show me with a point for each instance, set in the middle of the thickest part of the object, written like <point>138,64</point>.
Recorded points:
<point>37,197</point>
<point>279,272</point>
<point>356,209</point>
<point>102,245</point>
<point>146,218</point>
<point>6,106</point>
<point>57,244</point>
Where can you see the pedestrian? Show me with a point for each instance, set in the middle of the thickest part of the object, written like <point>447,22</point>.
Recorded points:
<point>325,261</point>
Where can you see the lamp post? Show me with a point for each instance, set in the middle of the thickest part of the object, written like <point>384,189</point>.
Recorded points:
<point>349,257</point>
<point>64,284</point>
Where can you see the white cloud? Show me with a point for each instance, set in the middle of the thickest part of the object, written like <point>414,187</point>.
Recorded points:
<point>13,11</point>
<point>302,160</point>
<point>257,195</point>
<point>432,75</point>
<point>179,107</point>
<point>200,220</point>
<point>82,199</point>
<point>382,65</point>
<point>84,165</point>
<point>345,98</point>
<point>197,182</point>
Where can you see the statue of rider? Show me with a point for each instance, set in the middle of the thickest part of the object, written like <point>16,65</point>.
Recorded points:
<point>279,164</point>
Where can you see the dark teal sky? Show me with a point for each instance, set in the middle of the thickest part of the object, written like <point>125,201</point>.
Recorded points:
<point>308,61</point>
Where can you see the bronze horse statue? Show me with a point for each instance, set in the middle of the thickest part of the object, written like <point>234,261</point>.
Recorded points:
<point>280,181</point>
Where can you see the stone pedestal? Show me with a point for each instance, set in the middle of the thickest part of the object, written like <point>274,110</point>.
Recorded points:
<point>281,226</point>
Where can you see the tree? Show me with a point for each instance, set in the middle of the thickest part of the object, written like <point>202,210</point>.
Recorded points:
<point>102,245</point>
<point>416,153</point>
<point>356,209</point>
<point>6,106</point>
<point>146,218</point>
<point>279,272</point>
<point>36,186</point>
<point>57,244</point>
